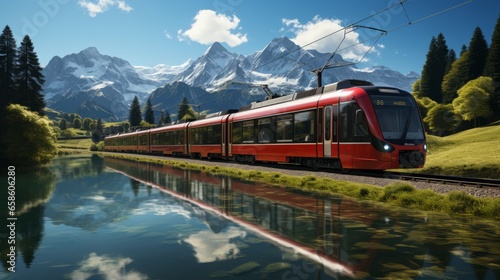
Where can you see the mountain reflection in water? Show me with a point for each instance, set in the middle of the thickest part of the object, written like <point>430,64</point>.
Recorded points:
<point>81,218</point>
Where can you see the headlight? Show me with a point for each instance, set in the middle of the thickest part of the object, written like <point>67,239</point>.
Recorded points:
<point>381,146</point>
<point>425,147</point>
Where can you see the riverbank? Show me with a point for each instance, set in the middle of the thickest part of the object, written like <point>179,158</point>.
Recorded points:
<point>452,199</point>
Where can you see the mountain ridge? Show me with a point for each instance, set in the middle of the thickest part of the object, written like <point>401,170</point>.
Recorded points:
<point>111,82</point>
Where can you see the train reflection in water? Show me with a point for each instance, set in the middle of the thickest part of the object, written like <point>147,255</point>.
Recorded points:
<point>344,238</point>
<point>312,226</point>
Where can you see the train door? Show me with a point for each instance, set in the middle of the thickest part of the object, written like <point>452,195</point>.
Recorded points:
<point>229,142</point>
<point>330,139</point>
<point>186,136</point>
<point>224,136</point>
<point>327,136</point>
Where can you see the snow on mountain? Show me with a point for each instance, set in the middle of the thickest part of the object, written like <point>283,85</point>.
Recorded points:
<point>111,83</point>
<point>161,72</point>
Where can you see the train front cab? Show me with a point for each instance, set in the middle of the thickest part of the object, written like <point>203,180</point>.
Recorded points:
<point>371,128</point>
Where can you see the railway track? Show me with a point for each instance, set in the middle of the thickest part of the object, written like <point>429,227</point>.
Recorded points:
<point>441,179</point>
<point>490,186</point>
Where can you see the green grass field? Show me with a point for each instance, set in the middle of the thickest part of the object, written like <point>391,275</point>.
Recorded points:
<point>73,146</point>
<point>472,153</point>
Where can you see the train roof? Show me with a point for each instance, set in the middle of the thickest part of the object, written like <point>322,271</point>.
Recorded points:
<point>299,95</point>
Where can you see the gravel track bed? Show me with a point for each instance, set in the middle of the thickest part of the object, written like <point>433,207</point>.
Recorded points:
<point>438,188</point>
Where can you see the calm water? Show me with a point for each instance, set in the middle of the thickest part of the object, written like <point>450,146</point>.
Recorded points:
<point>94,218</point>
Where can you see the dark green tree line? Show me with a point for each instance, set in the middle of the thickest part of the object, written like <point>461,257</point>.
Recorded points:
<point>30,79</point>
<point>492,69</point>
<point>471,103</point>
<point>27,138</point>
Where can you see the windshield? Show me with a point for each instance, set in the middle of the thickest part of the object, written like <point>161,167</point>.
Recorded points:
<point>398,118</point>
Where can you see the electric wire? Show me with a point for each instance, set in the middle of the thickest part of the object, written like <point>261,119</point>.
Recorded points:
<point>338,49</point>
<point>401,3</point>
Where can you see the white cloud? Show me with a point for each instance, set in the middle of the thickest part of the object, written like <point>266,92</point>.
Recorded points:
<point>211,247</point>
<point>102,5</point>
<point>106,267</point>
<point>311,32</point>
<point>209,27</point>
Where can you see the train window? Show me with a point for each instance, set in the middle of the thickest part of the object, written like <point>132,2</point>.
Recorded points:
<point>328,123</point>
<point>217,135</point>
<point>304,126</point>
<point>398,118</point>
<point>248,132</point>
<point>265,131</point>
<point>179,137</point>
<point>143,140</point>
<point>237,133</point>
<point>284,128</point>
<point>350,131</point>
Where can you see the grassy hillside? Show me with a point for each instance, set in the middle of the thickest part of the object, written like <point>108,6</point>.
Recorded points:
<point>472,153</point>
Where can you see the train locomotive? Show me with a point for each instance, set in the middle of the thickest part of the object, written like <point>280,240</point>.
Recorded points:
<point>350,124</point>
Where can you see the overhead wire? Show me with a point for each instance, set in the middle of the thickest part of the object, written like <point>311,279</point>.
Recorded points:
<point>377,37</point>
<point>400,3</point>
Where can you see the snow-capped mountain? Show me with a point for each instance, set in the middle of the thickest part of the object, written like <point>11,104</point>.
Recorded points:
<point>102,86</point>
<point>109,82</point>
<point>283,66</point>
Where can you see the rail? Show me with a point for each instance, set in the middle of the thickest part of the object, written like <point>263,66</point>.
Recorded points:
<point>452,180</point>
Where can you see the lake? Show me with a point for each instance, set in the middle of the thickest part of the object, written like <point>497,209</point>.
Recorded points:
<point>88,217</point>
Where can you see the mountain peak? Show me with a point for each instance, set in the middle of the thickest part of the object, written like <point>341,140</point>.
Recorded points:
<point>90,51</point>
<point>282,42</point>
<point>214,49</point>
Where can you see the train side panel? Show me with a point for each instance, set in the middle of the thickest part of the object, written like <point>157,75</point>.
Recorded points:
<point>169,140</point>
<point>278,133</point>
<point>207,138</point>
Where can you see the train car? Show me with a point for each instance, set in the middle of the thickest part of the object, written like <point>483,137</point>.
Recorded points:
<point>111,143</point>
<point>208,137</point>
<point>169,140</point>
<point>347,125</point>
<point>126,142</point>
<point>277,130</point>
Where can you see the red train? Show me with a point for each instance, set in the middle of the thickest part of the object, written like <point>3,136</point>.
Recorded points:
<point>351,124</point>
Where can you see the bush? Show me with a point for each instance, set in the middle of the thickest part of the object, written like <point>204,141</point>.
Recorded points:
<point>28,138</point>
<point>97,147</point>
<point>93,147</point>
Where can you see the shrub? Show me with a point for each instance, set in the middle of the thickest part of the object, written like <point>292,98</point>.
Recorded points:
<point>93,147</point>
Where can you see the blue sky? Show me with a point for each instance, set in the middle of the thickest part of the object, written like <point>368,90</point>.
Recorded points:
<point>151,32</point>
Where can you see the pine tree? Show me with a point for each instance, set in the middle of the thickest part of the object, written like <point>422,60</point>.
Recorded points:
<point>167,118</point>
<point>452,57</point>
<point>8,59</point>
<point>434,69</point>
<point>149,115</point>
<point>134,117</point>
<point>478,51</point>
<point>30,79</point>
<point>492,69</point>
<point>183,108</point>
